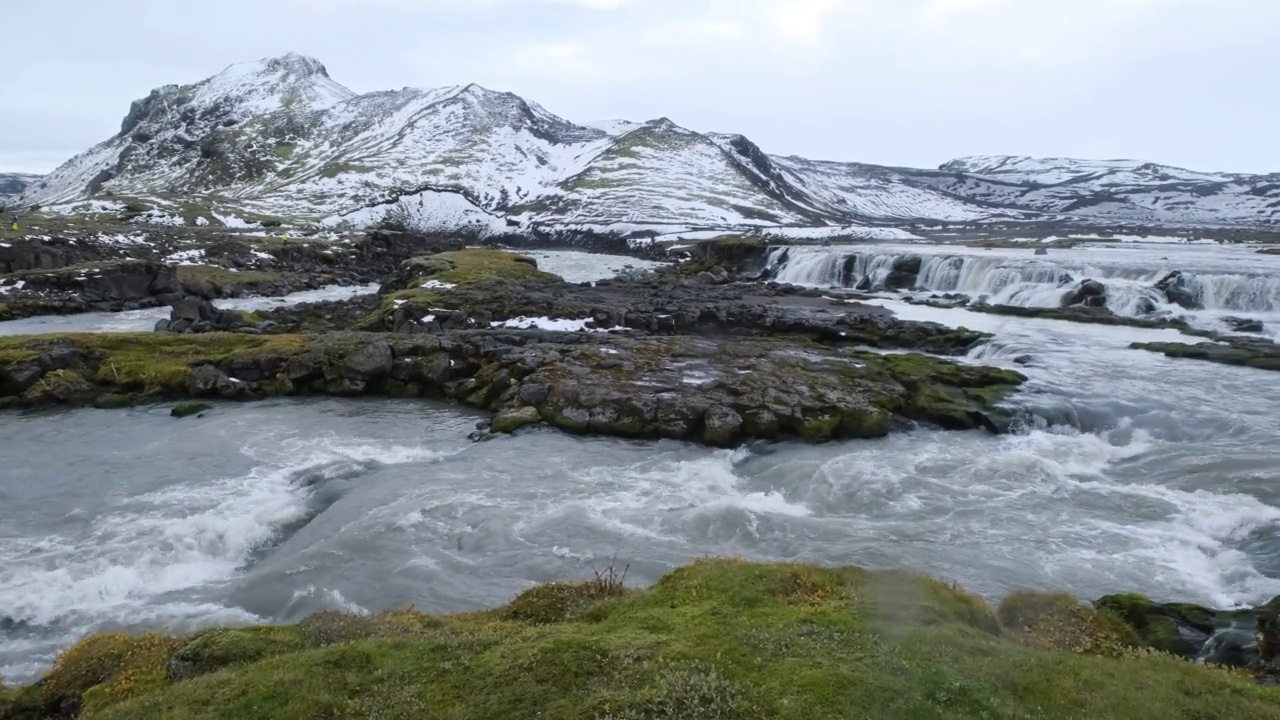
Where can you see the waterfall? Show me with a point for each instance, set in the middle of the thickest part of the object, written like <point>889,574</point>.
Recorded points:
<point>1020,281</point>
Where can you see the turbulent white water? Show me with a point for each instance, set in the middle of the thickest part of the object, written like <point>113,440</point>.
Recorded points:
<point>1133,472</point>
<point>1225,280</point>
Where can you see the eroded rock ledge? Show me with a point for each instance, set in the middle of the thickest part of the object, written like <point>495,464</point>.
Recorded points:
<point>718,391</point>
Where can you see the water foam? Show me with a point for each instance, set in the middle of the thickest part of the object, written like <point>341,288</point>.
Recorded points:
<point>140,563</point>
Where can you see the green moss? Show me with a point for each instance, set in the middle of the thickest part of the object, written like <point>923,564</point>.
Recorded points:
<point>219,648</point>
<point>1157,624</point>
<point>715,639</point>
<point>146,363</point>
<point>473,265</point>
<point>106,669</point>
<point>820,427</point>
<point>512,420</point>
<point>64,386</point>
<point>284,150</point>
<point>187,409</point>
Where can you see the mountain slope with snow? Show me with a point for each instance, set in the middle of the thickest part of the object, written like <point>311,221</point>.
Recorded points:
<point>279,137</point>
<point>12,185</point>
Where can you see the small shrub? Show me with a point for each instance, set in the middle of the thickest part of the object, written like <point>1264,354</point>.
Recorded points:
<point>560,602</point>
<point>1060,622</point>
<point>106,669</point>
<point>334,627</point>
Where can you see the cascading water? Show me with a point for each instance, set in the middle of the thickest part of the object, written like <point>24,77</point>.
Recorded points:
<point>1005,278</point>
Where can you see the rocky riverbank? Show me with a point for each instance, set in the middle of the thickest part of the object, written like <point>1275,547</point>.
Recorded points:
<point>715,639</point>
<point>714,391</point>
<point>77,270</point>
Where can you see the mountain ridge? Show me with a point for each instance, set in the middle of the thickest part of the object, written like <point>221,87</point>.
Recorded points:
<point>280,137</point>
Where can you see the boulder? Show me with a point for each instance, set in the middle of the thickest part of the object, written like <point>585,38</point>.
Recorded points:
<point>369,363</point>
<point>905,272</point>
<point>1180,290</point>
<point>1090,293</point>
<point>1244,325</point>
<point>508,421</point>
<point>722,426</point>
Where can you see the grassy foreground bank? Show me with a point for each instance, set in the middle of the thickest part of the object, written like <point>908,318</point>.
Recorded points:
<point>716,639</point>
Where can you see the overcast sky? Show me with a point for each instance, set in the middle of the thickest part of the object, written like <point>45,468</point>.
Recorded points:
<point>899,82</point>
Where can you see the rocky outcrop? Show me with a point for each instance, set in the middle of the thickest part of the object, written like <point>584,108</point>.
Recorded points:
<point>1233,350</point>
<point>191,315</point>
<point>109,286</point>
<point>1089,294</point>
<point>1247,638</point>
<point>1244,325</point>
<point>733,254</point>
<point>436,295</point>
<point>715,391</point>
<point>1179,290</point>
<point>904,273</point>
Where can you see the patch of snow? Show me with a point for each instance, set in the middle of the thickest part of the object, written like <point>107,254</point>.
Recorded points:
<point>546,323</point>
<point>4,289</point>
<point>437,285</point>
<point>202,221</point>
<point>122,240</point>
<point>431,319</point>
<point>232,221</point>
<point>186,257</point>
<point>156,217</point>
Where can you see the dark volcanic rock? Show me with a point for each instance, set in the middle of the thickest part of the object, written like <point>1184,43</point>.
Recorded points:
<point>1236,350</point>
<point>674,305</point>
<point>1090,293</point>
<point>732,254</point>
<point>1245,325</point>
<point>1180,291</point>
<point>720,391</point>
<point>905,272</point>
<point>196,316</point>
<point>1083,314</point>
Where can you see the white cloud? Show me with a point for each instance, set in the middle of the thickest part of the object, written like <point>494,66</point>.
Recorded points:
<point>803,20</point>
<point>893,81</point>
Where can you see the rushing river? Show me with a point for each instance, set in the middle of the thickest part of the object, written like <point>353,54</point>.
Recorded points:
<point>1135,473</point>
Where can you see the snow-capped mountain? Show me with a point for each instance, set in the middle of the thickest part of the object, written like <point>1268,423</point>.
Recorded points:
<point>1128,191</point>
<point>12,185</point>
<point>279,137</point>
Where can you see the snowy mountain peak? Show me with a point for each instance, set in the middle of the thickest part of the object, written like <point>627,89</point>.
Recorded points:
<point>287,82</point>
<point>278,136</point>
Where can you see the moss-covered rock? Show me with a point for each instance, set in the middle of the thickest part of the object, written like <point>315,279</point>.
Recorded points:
<point>187,409</point>
<point>509,421</point>
<point>732,253</point>
<point>718,391</point>
<point>1246,351</point>
<point>1178,628</point>
<point>218,648</point>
